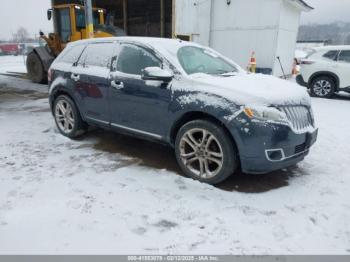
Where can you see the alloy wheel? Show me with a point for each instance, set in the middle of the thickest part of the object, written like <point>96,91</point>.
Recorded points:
<point>322,88</point>
<point>201,153</point>
<point>64,116</point>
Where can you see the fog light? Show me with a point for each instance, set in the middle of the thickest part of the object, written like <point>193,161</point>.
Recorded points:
<point>275,154</point>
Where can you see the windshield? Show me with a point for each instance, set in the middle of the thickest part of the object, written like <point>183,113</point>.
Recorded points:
<point>199,60</point>
<point>80,18</point>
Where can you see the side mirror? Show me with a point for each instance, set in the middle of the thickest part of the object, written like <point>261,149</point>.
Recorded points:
<point>156,74</point>
<point>49,14</point>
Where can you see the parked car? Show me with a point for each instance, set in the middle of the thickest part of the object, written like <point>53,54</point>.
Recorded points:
<point>217,117</point>
<point>326,71</point>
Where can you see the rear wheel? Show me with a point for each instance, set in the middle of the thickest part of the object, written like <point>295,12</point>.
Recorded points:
<point>205,152</point>
<point>35,69</point>
<point>323,86</point>
<point>67,117</point>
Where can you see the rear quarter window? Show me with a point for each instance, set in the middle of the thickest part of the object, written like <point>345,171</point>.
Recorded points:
<point>98,54</point>
<point>72,54</point>
<point>331,55</point>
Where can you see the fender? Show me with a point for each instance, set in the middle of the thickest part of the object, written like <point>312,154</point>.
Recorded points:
<point>45,56</point>
<point>220,109</point>
<point>319,73</point>
<point>58,85</point>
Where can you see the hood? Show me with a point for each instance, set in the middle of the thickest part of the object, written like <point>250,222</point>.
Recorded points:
<point>248,89</point>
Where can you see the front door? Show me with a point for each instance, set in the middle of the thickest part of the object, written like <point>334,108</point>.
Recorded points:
<point>137,105</point>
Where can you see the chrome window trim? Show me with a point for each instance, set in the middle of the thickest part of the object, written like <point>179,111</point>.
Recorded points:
<point>158,137</point>
<point>97,120</point>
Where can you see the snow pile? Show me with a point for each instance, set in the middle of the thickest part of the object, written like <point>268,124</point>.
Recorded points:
<point>299,54</point>
<point>12,64</point>
<point>59,196</point>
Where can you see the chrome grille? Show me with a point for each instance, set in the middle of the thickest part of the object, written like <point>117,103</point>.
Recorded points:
<point>300,117</point>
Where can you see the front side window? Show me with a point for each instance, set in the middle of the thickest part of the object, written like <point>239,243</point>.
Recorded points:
<point>332,55</point>
<point>72,55</point>
<point>133,59</point>
<point>344,56</point>
<point>98,54</point>
<point>80,18</point>
<point>199,60</point>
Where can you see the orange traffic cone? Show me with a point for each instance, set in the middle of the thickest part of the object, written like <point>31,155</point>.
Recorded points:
<point>252,63</point>
<point>295,68</point>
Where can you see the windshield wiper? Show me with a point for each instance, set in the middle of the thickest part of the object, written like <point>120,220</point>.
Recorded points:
<point>226,73</point>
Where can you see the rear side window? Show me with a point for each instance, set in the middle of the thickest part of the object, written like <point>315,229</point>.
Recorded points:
<point>344,56</point>
<point>132,59</point>
<point>99,54</point>
<point>332,55</point>
<point>72,55</point>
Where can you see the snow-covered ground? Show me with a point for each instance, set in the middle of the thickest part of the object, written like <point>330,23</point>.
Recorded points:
<point>110,194</point>
<point>9,64</point>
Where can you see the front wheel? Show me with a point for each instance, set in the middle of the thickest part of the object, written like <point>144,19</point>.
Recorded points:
<point>205,152</point>
<point>323,87</point>
<point>67,117</point>
<point>35,69</point>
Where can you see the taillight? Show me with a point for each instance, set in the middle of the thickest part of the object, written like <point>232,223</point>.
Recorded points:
<point>49,75</point>
<point>307,62</point>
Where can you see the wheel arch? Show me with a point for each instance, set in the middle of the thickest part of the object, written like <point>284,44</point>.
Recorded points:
<point>196,115</point>
<point>55,93</point>
<point>45,57</point>
<point>325,73</point>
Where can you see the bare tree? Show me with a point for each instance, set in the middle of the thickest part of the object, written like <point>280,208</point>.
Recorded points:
<point>21,35</point>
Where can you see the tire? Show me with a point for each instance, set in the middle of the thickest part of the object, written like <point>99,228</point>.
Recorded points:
<point>67,117</point>
<point>192,154</point>
<point>35,69</point>
<point>323,86</point>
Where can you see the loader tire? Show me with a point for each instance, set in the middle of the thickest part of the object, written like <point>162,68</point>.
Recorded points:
<point>35,69</point>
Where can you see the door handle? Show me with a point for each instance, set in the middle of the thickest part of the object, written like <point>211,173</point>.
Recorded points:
<point>117,84</point>
<point>75,77</point>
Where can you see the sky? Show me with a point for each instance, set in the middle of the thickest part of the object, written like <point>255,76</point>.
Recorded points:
<point>31,14</point>
<point>327,11</point>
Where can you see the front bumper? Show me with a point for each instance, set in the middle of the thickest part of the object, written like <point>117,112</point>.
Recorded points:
<point>266,147</point>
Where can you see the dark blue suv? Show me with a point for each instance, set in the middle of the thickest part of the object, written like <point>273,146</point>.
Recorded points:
<point>217,117</point>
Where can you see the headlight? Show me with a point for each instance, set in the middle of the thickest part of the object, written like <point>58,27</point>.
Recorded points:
<point>265,113</point>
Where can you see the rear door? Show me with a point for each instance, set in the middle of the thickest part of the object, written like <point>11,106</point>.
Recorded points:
<point>91,80</point>
<point>343,68</point>
<point>62,66</point>
<point>137,105</point>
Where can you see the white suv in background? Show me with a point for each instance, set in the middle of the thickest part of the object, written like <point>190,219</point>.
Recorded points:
<point>326,71</point>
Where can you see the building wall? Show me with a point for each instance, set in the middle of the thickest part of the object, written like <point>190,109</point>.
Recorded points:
<point>192,17</point>
<point>268,27</point>
<point>287,38</point>
<point>245,26</point>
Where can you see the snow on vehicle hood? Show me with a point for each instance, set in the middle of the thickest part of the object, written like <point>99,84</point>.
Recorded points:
<point>247,89</point>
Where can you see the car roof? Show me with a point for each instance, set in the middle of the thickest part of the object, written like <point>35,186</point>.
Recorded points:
<point>167,47</point>
<point>177,43</point>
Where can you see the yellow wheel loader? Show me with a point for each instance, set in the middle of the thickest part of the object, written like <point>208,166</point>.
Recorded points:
<point>69,25</point>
